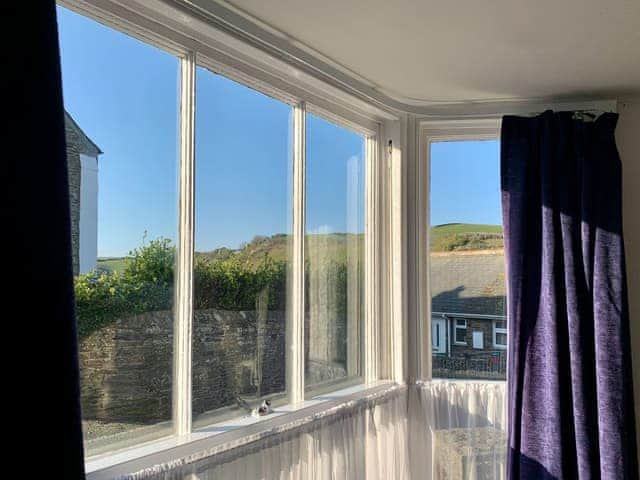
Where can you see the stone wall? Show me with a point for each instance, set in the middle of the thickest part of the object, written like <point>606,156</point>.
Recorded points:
<point>73,171</point>
<point>475,325</point>
<point>126,368</point>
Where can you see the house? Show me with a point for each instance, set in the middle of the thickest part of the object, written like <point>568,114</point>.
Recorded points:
<point>468,304</point>
<point>82,168</point>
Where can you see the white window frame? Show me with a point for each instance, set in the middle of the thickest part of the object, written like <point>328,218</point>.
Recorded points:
<point>427,132</point>
<point>196,42</point>
<point>497,330</point>
<point>457,327</point>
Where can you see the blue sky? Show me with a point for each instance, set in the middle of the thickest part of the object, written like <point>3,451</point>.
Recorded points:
<point>124,95</point>
<point>465,182</point>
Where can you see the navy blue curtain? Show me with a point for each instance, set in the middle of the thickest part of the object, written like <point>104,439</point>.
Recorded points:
<point>38,267</point>
<point>570,387</point>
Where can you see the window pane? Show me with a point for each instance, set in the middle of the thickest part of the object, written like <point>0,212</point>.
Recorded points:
<point>467,259</point>
<point>120,124</point>
<point>334,253</point>
<point>243,174</point>
<point>501,339</point>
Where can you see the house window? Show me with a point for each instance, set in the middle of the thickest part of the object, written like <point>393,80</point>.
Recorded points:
<point>460,334</point>
<point>466,252</point>
<point>120,124</point>
<point>334,247</point>
<point>500,333</point>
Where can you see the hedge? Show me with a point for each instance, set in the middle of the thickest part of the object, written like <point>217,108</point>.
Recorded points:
<point>146,284</point>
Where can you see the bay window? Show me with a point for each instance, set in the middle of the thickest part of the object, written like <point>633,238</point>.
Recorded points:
<point>234,272</point>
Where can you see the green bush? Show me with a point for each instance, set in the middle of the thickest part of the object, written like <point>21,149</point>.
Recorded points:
<point>146,284</point>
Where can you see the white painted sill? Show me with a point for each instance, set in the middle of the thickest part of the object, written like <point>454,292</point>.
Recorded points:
<point>229,434</point>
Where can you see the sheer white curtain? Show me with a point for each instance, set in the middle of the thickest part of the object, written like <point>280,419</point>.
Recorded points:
<point>366,440</point>
<point>453,430</point>
<point>458,430</point>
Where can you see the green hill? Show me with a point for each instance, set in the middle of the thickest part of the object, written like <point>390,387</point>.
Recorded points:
<point>465,236</point>
<point>111,264</point>
<point>444,238</point>
<point>276,247</point>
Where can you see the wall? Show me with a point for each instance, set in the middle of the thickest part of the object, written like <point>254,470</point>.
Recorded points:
<point>73,172</point>
<point>88,247</point>
<point>628,140</point>
<point>126,369</point>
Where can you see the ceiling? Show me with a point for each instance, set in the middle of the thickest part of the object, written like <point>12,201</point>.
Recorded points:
<point>464,50</point>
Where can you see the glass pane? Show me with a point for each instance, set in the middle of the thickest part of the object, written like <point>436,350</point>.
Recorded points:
<point>467,258</point>
<point>243,175</point>
<point>501,338</point>
<point>120,125</point>
<point>334,254</point>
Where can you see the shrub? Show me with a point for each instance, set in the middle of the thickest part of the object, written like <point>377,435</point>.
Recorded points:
<point>146,284</point>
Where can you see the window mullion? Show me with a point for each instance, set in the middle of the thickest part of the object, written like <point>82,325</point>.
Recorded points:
<point>371,272</point>
<point>184,262</point>
<point>295,318</point>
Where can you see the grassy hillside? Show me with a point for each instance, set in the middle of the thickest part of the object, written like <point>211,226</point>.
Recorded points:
<point>111,264</point>
<point>444,238</point>
<point>333,246</point>
<point>465,236</point>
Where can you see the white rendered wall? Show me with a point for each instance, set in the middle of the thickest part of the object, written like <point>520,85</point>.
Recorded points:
<point>88,213</point>
<point>628,140</point>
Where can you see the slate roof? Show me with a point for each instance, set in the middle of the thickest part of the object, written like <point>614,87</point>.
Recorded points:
<point>468,282</point>
<point>85,146</point>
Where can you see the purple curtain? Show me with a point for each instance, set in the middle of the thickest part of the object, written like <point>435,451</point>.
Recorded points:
<point>38,266</point>
<point>570,389</point>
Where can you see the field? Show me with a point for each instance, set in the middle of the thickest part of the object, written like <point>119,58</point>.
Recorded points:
<point>465,236</point>
<point>111,264</point>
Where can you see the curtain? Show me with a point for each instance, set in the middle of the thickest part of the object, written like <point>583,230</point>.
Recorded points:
<point>365,440</point>
<point>458,430</point>
<point>570,389</point>
<point>38,292</point>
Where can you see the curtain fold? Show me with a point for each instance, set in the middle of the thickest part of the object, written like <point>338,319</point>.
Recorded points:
<point>570,388</point>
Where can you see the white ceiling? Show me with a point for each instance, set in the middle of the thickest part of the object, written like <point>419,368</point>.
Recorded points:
<point>463,50</point>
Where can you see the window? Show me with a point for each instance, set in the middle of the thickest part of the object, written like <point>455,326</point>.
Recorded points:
<point>466,255</point>
<point>242,247</point>
<point>461,331</point>
<point>187,264</point>
<point>500,333</point>
<point>334,253</point>
<point>120,125</point>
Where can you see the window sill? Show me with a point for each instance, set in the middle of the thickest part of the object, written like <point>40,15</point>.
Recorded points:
<point>227,435</point>
<point>461,381</point>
